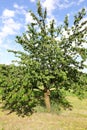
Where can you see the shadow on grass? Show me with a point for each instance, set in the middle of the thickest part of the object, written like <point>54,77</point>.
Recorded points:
<point>58,102</point>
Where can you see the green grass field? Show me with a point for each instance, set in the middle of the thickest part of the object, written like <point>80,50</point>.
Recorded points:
<point>75,119</point>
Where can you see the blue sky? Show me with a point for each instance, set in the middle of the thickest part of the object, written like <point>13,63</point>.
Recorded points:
<point>14,17</point>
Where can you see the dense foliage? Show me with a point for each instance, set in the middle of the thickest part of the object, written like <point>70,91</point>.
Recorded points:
<point>52,58</point>
<point>16,89</point>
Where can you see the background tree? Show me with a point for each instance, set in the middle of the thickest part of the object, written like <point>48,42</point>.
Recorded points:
<point>50,58</point>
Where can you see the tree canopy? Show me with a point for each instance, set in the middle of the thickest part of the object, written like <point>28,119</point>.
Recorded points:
<point>52,58</point>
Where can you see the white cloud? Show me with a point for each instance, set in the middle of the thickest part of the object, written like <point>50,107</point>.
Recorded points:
<point>22,10</point>
<point>67,1</point>
<point>9,25</point>
<point>53,4</point>
<point>65,5</point>
<point>80,1</point>
<point>32,0</point>
<point>16,6</point>
<point>28,18</point>
<point>49,5</point>
<point>8,13</point>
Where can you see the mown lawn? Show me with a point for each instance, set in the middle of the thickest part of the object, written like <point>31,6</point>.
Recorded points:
<point>75,119</point>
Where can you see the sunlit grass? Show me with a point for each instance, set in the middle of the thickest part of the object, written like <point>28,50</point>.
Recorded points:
<point>75,119</point>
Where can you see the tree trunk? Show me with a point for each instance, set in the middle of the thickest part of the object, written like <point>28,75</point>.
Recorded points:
<point>47,99</point>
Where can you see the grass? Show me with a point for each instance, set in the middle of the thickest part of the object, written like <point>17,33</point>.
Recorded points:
<point>75,119</point>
